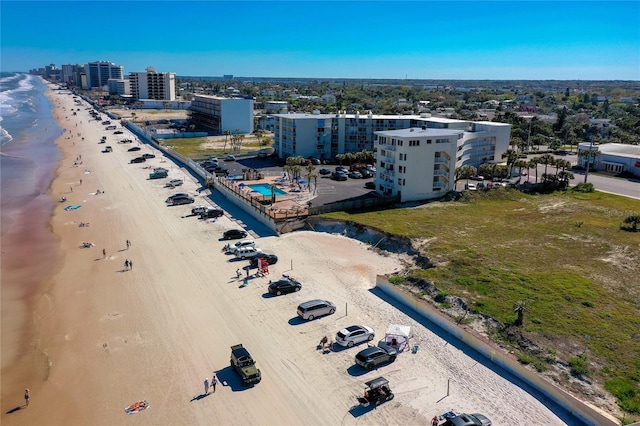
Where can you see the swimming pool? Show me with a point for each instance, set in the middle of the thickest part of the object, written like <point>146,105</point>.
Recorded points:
<point>265,189</point>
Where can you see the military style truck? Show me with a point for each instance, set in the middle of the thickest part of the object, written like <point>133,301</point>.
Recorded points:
<point>244,365</point>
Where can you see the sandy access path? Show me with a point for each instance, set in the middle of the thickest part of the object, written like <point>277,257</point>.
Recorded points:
<point>112,337</point>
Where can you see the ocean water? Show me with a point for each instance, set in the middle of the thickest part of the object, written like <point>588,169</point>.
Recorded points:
<point>28,155</point>
<point>28,160</point>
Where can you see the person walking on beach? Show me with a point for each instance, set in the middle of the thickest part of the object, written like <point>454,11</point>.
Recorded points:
<point>71,188</point>
<point>128,244</point>
<point>130,265</point>
<point>80,181</point>
<point>104,253</point>
<point>27,397</point>
<point>206,386</point>
<point>126,264</point>
<point>214,382</point>
<point>238,273</point>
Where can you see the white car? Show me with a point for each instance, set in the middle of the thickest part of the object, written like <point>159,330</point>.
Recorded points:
<point>199,210</point>
<point>247,252</point>
<point>471,186</point>
<point>241,244</point>
<point>230,158</point>
<point>354,334</point>
<point>173,183</point>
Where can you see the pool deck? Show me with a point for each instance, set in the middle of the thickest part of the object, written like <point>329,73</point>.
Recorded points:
<point>292,204</point>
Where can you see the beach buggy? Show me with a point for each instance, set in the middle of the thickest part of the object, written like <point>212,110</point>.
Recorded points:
<point>377,391</point>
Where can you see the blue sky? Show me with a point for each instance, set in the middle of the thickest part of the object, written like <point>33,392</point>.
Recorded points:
<point>567,40</point>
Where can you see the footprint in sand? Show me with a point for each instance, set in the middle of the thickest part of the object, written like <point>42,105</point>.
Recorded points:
<point>111,316</point>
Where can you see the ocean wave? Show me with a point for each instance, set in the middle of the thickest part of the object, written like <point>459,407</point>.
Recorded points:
<point>7,79</point>
<point>5,137</point>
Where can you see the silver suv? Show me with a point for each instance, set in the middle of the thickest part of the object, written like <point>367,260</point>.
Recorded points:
<point>315,308</point>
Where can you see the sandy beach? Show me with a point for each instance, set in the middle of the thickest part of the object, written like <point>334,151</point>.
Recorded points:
<point>104,336</point>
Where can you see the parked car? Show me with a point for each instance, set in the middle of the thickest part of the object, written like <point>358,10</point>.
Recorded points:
<point>474,419</point>
<point>325,172</point>
<point>370,185</point>
<point>271,259</point>
<point>138,160</point>
<point>471,186</point>
<point>240,244</point>
<point>341,169</point>
<point>355,175</point>
<point>230,158</point>
<point>118,132</point>
<point>354,334</point>
<point>234,234</point>
<point>173,183</point>
<point>338,176</point>
<point>107,149</point>
<point>181,200</point>
<point>284,286</point>
<point>314,161</point>
<point>373,356</point>
<point>366,173</point>
<point>211,213</point>
<point>198,210</point>
<point>315,308</point>
<point>247,252</point>
<point>176,195</point>
<point>134,148</point>
<point>148,156</point>
<point>125,141</point>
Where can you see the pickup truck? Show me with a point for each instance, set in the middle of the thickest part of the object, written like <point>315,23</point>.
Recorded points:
<point>244,365</point>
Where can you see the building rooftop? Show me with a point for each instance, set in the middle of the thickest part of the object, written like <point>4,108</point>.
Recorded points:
<point>419,132</point>
<point>620,149</point>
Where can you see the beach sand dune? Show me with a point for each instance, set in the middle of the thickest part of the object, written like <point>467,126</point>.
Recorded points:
<point>108,337</point>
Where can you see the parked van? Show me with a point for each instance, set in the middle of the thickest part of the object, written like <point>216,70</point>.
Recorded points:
<point>315,308</point>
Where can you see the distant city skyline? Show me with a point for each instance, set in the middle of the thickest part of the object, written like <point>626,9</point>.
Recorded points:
<point>454,40</point>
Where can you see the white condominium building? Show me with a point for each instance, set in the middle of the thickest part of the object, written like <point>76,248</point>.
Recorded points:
<point>153,85</point>
<point>325,135</point>
<point>416,163</point>
<point>220,114</point>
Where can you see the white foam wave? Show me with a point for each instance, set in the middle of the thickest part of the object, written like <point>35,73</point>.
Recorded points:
<point>5,137</point>
<point>9,78</point>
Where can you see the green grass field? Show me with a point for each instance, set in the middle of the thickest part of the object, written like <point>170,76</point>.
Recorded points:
<point>563,254</point>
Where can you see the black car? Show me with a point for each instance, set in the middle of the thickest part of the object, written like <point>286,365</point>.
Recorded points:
<point>370,185</point>
<point>118,132</point>
<point>148,156</point>
<point>373,356</point>
<point>209,213</point>
<point>474,419</point>
<point>271,259</point>
<point>284,286</point>
<point>234,234</point>
<point>134,148</point>
<point>325,171</point>
<point>138,160</point>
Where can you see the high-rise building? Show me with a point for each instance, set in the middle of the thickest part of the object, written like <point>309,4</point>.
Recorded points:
<point>98,73</point>
<point>220,114</point>
<point>153,85</point>
<point>326,135</point>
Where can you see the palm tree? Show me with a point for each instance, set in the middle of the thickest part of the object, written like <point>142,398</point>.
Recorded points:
<point>465,172</point>
<point>520,164</point>
<point>546,160</point>
<point>533,163</point>
<point>512,157</point>
<point>519,308</point>
<point>226,137</point>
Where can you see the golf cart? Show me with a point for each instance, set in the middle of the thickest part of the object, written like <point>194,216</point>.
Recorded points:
<point>376,392</point>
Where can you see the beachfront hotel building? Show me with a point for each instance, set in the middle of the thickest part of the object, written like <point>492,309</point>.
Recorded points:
<point>160,86</point>
<point>324,136</point>
<point>98,73</point>
<point>416,163</point>
<point>220,114</point>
